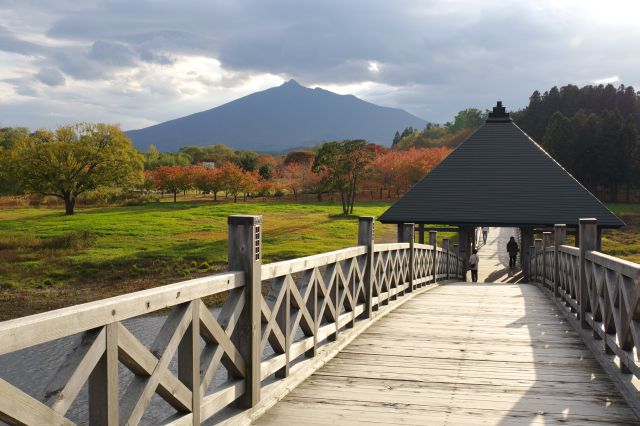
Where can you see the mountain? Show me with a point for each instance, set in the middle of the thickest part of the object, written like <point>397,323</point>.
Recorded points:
<point>278,119</point>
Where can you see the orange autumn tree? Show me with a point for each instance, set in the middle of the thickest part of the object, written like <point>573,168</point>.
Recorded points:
<point>171,179</point>
<point>402,169</point>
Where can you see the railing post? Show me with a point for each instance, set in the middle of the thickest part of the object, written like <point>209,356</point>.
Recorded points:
<point>588,241</point>
<point>546,236</point>
<point>433,238</point>
<point>366,238</point>
<point>406,235</point>
<point>538,246</point>
<point>245,254</point>
<point>456,251</point>
<point>560,235</point>
<point>445,246</point>
<point>103,383</point>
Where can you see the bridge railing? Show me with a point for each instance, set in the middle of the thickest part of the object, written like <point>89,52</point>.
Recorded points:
<point>273,320</point>
<point>601,292</point>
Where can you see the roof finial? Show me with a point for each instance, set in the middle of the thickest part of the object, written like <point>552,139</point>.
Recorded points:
<point>499,114</point>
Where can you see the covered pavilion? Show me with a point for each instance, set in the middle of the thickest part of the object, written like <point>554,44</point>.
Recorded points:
<point>499,177</point>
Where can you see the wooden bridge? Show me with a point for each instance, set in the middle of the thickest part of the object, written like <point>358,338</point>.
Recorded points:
<point>375,333</point>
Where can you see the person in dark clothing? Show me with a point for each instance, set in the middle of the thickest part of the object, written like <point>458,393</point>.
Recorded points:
<point>512,249</point>
<point>473,266</point>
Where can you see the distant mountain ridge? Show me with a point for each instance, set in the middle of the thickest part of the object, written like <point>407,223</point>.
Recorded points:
<point>278,119</point>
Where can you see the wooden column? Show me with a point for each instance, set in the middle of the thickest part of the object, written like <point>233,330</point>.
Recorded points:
<point>433,238</point>
<point>445,246</point>
<point>103,383</point>
<point>405,235</point>
<point>525,257</point>
<point>537,243</point>
<point>456,251</point>
<point>463,238</point>
<point>559,237</point>
<point>546,238</point>
<point>588,242</point>
<point>599,239</point>
<point>532,272</point>
<point>421,233</point>
<point>244,249</point>
<point>366,238</point>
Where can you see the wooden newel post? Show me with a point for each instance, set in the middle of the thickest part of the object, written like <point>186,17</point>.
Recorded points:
<point>560,235</point>
<point>546,238</point>
<point>456,251</point>
<point>537,244</point>
<point>406,235</point>
<point>445,246</point>
<point>366,238</point>
<point>433,238</point>
<point>588,241</point>
<point>245,254</point>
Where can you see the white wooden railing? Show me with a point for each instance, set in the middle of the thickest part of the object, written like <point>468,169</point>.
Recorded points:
<point>274,316</point>
<point>601,292</point>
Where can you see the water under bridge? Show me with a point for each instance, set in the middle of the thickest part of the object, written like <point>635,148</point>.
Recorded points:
<point>375,333</point>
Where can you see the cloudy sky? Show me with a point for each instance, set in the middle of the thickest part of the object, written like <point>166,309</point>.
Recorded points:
<point>140,62</point>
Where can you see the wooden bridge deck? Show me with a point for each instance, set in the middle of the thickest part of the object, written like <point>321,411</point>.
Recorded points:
<point>461,354</point>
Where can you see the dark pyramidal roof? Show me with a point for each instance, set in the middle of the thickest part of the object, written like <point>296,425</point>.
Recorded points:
<point>499,177</point>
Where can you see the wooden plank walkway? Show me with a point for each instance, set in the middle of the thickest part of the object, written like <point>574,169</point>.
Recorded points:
<point>461,354</point>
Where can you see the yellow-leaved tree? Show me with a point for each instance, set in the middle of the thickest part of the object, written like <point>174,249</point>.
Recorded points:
<point>74,159</point>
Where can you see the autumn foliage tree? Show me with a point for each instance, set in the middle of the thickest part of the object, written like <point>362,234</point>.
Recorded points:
<point>171,179</point>
<point>343,164</point>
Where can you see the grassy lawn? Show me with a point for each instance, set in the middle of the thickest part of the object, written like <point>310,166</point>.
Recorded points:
<point>625,242</point>
<point>49,260</point>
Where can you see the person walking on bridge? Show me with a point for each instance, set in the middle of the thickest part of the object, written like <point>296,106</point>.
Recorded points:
<point>473,266</point>
<point>485,232</point>
<point>512,249</point>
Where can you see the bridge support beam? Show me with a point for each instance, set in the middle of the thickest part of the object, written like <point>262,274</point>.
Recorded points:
<point>588,242</point>
<point>245,254</point>
<point>526,235</point>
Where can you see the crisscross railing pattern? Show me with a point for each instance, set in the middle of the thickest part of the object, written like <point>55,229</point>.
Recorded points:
<point>601,291</point>
<point>273,317</point>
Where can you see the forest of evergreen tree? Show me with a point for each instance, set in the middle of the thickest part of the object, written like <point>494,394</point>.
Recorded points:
<point>593,132</point>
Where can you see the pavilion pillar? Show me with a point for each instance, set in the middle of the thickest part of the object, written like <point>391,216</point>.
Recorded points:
<point>465,236</point>
<point>599,239</point>
<point>421,233</point>
<point>526,240</point>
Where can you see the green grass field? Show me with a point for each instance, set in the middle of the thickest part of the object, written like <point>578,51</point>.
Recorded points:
<point>49,260</point>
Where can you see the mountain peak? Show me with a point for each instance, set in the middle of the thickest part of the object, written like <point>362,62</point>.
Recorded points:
<point>280,118</point>
<point>291,83</point>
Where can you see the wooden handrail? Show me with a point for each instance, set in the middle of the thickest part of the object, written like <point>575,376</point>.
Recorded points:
<point>309,301</point>
<point>611,295</point>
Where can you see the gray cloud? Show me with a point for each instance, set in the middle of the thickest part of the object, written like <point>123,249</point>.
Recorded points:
<point>50,76</point>
<point>434,57</point>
